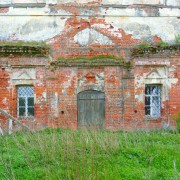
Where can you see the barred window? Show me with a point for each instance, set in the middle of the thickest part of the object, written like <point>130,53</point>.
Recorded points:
<point>25,101</point>
<point>153,100</point>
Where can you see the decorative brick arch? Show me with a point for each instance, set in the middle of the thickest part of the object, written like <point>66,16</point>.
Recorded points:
<point>90,87</point>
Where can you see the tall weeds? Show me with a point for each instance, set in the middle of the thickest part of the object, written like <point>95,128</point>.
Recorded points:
<point>178,123</point>
<point>64,154</point>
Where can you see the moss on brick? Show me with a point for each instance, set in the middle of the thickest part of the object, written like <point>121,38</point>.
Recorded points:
<point>161,49</point>
<point>89,61</point>
<point>24,43</point>
<point>23,49</point>
<point>94,58</point>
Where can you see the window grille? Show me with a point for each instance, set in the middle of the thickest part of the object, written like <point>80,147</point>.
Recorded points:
<point>25,101</point>
<point>153,100</point>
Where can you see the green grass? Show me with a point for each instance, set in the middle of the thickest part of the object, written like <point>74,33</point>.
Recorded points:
<point>64,154</point>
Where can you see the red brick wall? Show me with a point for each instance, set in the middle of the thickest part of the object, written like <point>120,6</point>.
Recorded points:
<point>174,103</point>
<point>56,91</point>
<point>113,95</point>
<point>4,94</point>
<point>167,72</point>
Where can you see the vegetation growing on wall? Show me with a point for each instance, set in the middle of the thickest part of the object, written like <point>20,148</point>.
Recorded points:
<point>178,122</point>
<point>41,49</point>
<point>94,58</point>
<point>23,49</point>
<point>24,43</point>
<point>161,49</point>
<point>177,39</point>
<point>90,61</point>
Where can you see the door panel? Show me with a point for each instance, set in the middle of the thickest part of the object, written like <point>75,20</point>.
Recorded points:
<point>91,110</point>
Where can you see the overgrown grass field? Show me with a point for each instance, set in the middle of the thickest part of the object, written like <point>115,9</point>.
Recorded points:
<point>64,154</point>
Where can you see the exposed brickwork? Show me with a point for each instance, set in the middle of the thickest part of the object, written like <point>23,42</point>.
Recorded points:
<point>56,90</point>
<point>90,28</point>
<point>4,94</point>
<point>4,10</point>
<point>165,72</point>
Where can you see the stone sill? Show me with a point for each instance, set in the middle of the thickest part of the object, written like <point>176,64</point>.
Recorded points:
<point>22,119</point>
<point>150,118</point>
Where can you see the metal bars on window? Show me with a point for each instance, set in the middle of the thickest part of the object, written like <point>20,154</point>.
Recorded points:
<point>25,101</point>
<point>153,100</point>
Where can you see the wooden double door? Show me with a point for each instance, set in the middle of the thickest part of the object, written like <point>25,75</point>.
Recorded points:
<point>91,110</point>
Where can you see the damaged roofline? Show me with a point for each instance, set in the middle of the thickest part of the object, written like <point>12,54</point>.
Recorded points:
<point>39,49</point>
<point>41,5</point>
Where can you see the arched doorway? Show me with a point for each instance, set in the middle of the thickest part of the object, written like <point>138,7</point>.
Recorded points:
<point>91,109</point>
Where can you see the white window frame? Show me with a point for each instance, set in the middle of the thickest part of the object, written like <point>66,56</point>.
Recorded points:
<point>25,97</point>
<point>155,107</point>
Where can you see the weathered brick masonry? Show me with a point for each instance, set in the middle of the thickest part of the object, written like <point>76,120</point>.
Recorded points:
<point>57,84</point>
<point>106,64</point>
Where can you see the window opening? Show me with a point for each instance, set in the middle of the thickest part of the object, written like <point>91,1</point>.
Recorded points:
<point>25,101</point>
<point>153,100</point>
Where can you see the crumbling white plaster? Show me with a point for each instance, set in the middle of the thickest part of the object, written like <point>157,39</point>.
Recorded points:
<point>90,36</point>
<point>43,23</point>
<point>3,2</point>
<point>146,28</point>
<point>4,101</point>
<point>30,28</point>
<point>106,2</point>
<point>24,74</point>
<point>130,2</point>
<point>68,82</point>
<point>100,78</point>
<point>173,2</point>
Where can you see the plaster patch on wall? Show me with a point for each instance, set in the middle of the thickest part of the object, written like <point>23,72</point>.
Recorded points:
<point>38,28</point>
<point>41,99</point>
<point>30,28</point>
<point>155,74</point>
<point>113,30</point>
<point>54,104</point>
<point>91,78</point>
<point>173,2</point>
<point>173,81</point>
<point>151,62</point>
<point>81,81</point>
<point>139,31</point>
<point>100,78</point>
<point>24,74</point>
<point>5,1</point>
<point>76,1</point>
<point>44,94</point>
<point>117,11</point>
<point>64,92</point>
<point>169,12</point>
<point>130,2</point>
<point>146,28</point>
<point>4,101</point>
<point>139,97</point>
<point>139,86</point>
<point>90,36</point>
<point>68,82</point>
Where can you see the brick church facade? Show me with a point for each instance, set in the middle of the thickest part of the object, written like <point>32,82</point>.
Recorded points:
<point>100,66</point>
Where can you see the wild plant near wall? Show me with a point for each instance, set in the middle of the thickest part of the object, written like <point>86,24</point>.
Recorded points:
<point>178,123</point>
<point>64,154</point>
